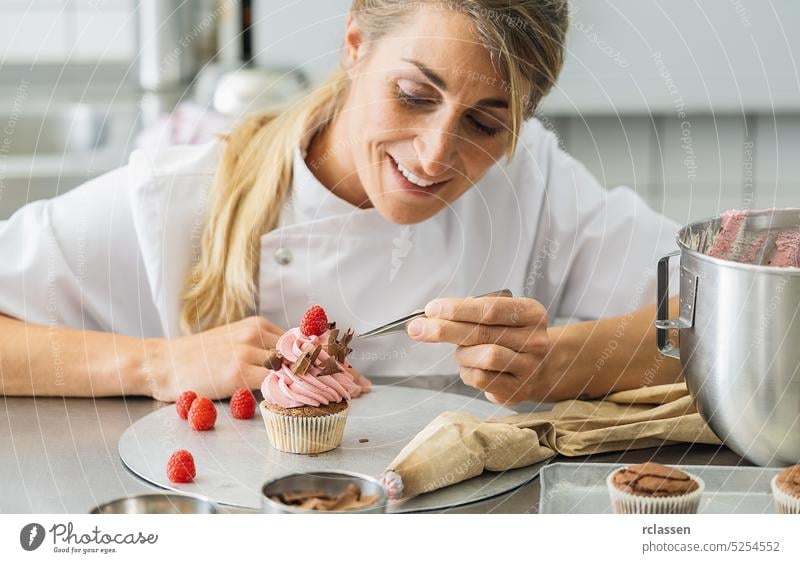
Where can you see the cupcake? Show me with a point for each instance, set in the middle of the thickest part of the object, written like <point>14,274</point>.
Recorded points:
<point>786,490</point>
<point>308,388</point>
<point>651,488</point>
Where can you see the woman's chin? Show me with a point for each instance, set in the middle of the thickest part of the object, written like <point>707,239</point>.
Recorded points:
<point>405,205</point>
<point>398,208</point>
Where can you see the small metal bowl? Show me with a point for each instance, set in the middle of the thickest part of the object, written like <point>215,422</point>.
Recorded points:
<point>329,482</point>
<point>157,503</point>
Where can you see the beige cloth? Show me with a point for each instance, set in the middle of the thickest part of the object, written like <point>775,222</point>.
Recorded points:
<point>457,446</point>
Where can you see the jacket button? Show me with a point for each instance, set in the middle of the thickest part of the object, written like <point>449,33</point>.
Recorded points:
<point>283,256</point>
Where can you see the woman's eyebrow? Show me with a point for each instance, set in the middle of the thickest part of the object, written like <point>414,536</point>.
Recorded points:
<point>439,82</point>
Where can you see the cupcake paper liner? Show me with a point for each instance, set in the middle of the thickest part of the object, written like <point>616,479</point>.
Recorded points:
<point>304,434</point>
<point>627,503</point>
<point>784,502</point>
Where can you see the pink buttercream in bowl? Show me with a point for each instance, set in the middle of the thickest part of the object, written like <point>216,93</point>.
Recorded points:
<point>284,388</point>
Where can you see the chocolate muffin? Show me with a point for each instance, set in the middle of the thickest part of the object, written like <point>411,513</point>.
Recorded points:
<point>309,410</point>
<point>652,488</point>
<point>786,490</point>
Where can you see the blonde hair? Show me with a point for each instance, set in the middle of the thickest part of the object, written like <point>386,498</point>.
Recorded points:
<point>525,40</point>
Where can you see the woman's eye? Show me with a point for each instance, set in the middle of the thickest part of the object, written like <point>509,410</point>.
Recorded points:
<point>411,99</point>
<point>483,128</point>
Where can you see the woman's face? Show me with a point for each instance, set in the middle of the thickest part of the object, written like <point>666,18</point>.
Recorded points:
<point>426,117</point>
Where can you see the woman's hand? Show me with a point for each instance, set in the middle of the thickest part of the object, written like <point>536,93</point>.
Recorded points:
<point>502,342</point>
<point>213,363</point>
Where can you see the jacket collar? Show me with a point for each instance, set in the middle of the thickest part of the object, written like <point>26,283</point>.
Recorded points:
<point>311,201</point>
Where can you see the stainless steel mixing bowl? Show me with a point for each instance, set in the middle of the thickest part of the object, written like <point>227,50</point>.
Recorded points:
<point>739,341</point>
<point>330,482</point>
<point>158,503</point>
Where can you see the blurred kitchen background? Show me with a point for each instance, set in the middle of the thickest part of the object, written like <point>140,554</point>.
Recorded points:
<point>695,105</point>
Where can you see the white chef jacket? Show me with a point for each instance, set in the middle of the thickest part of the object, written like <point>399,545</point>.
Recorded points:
<point>112,254</point>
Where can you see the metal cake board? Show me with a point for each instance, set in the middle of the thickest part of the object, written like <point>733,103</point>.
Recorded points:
<point>235,458</point>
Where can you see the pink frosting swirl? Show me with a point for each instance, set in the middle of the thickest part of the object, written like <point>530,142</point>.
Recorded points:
<point>287,389</point>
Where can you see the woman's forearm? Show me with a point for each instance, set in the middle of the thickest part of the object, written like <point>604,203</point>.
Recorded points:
<point>591,359</point>
<point>43,361</point>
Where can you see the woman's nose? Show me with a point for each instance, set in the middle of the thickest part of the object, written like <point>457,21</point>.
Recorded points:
<point>435,147</point>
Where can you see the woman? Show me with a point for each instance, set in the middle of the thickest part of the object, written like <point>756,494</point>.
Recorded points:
<point>416,171</point>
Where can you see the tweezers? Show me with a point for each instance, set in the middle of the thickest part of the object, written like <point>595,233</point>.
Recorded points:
<point>400,324</point>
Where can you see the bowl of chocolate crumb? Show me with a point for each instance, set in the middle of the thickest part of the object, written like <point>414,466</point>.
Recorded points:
<point>652,488</point>
<point>323,491</point>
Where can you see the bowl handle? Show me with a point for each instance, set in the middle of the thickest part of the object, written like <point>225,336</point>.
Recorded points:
<point>663,322</point>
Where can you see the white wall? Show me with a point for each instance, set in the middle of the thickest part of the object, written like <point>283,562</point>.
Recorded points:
<point>57,31</point>
<point>306,34</point>
<point>655,55</point>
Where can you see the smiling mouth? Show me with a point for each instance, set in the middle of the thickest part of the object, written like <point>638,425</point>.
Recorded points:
<point>414,182</point>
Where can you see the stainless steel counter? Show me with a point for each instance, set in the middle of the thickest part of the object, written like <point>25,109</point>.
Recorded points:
<point>60,455</point>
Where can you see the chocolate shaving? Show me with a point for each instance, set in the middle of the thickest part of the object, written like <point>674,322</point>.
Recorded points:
<point>330,366</point>
<point>302,364</point>
<point>342,350</point>
<point>333,345</point>
<point>350,499</point>
<point>315,353</point>
<point>274,360</point>
<point>292,498</point>
<point>363,440</point>
<point>306,360</point>
<point>332,325</point>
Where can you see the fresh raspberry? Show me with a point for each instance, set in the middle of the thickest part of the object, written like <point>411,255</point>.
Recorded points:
<point>180,467</point>
<point>243,404</point>
<point>315,321</point>
<point>202,414</point>
<point>183,403</point>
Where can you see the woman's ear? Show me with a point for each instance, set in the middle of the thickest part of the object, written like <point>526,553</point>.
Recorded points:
<point>354,45</point>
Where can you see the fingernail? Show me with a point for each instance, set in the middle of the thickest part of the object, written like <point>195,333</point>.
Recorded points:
<point>433,309</point>
<point>416,328</point>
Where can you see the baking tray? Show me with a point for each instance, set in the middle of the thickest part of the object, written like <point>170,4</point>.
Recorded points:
<point>580,488</point>
<point>235,458</point>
